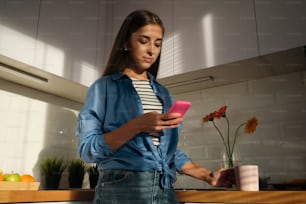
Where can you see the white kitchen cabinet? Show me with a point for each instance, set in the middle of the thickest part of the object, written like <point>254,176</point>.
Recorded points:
<point>210,33</point>
<point>281,24</point>
<point>199,34</point>
<point>60,37</point>
<point>73,39</point>
<point>67,39</point>
<point>18,28</point>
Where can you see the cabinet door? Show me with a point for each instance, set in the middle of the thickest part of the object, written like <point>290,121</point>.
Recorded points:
<point>281,24</point>
<point>18,24</point>
<point>67,39</point>
<point>209,33</point>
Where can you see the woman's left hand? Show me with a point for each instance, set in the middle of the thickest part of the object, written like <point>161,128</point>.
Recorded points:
<point>223,177</point>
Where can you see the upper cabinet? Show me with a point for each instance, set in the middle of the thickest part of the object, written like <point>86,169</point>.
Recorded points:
<point>67,40</point>
<point>73,39</point>
<point>18,29</point>
<point>198,34</point>
<point>60,37</point>
<point>202,34</point>
<point>281,24</point>
<point>210,33</point>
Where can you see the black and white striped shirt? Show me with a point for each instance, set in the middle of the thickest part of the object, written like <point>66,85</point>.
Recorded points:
<point>149,101</point>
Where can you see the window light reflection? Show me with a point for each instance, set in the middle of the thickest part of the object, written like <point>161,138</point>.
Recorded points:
<point>208,40</point>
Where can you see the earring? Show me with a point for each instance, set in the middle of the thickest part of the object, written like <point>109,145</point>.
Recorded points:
<point>125,49</point>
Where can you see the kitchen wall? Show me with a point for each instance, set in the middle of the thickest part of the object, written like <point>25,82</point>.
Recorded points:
<point>278,145</point>
<point>32,129</point>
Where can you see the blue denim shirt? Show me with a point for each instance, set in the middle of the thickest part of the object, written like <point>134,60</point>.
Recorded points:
<point>111,102</point>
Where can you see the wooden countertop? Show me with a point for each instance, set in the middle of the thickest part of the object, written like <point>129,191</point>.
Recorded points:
<point>229,196</point>
<point>210,196</point>
<point>45,196</point>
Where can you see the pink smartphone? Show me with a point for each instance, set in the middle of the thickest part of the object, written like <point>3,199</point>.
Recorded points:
<point>180,107</point>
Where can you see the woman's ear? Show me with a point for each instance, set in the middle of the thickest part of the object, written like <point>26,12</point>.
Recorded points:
<point>125,47</point>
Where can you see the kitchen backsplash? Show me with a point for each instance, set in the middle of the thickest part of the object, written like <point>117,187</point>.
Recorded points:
<point>278,145</point>
<point>32,129</point>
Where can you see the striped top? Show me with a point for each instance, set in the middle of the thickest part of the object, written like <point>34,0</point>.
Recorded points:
<point>149,102</point>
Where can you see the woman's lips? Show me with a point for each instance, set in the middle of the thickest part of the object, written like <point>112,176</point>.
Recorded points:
<point>148,59</point>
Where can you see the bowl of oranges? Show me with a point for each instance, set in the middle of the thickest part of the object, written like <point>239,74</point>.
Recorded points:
<point>16,181</point>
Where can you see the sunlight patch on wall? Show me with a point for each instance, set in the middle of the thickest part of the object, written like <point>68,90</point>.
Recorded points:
<point>178,54</point>
<point>16,45</point>
<point>49,58</point>
<point>26,49</point>
<point>44,56</point>
<point>23,132</point>
<point>166,62</point>
<point>171,56</point>
<point>88,73</point>
<point>208,40</point>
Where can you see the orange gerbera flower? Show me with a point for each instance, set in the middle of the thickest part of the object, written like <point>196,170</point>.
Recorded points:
<point>216,114</point>
<point>221,112</point>
<point>209,117</point>
<point>251,125</point>
<point>229,143</point>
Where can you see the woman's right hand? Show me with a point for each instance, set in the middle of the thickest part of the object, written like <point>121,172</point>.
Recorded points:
<point>148,122</point>
<point>156,122</point>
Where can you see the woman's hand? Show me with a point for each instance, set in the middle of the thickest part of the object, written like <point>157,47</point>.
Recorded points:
<point>219,178</point>
<point>223,178</point>
<point>155,122</point>
<point>148,122</point>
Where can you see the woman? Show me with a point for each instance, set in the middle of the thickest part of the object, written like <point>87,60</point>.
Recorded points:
<point>124,126</point>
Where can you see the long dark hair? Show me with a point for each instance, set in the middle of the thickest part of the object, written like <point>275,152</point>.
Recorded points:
<point>119,57</point>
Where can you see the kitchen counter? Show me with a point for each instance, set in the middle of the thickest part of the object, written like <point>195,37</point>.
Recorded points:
<point>230,196</point>
<point>200,196</point>
<point>45,196</point>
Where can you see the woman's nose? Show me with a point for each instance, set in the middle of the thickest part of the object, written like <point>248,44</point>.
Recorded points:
<point>151,49</point>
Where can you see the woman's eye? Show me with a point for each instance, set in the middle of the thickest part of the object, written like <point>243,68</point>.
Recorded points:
<point>143,41</point>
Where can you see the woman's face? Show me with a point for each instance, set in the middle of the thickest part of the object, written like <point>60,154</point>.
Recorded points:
<point>145,46</point>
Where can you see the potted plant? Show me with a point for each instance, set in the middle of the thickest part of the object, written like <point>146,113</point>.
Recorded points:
<point>52,168</point>
<point>76,170</point>
<point>93,173</point>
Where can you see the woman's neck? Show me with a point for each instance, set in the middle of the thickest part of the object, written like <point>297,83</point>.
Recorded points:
<point>136,75</point>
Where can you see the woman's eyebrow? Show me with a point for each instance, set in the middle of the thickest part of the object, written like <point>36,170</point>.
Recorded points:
<point>147,37</point>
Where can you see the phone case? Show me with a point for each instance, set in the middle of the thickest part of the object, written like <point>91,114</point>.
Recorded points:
<point>180,107</point>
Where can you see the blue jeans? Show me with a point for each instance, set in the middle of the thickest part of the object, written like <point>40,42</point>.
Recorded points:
<point>132,187</point>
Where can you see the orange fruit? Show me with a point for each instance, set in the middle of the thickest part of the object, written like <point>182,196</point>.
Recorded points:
<point>1,177</point>
<point>27,178</point>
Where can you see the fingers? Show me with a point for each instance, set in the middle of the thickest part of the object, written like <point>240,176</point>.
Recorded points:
<point>226,178</point>
<point>169,116</point>
<point>166,124</point>
<point>154,121</point>
<point>167,119</point>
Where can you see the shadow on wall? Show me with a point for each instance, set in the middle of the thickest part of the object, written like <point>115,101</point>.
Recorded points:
<point>60,139</point>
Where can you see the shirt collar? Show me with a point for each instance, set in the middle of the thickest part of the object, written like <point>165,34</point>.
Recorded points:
<point>120,75</point>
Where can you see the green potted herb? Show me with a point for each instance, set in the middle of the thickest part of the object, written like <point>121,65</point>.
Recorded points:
<point>93,173</point>
<point>52,168</point>
<point>76,170</point>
